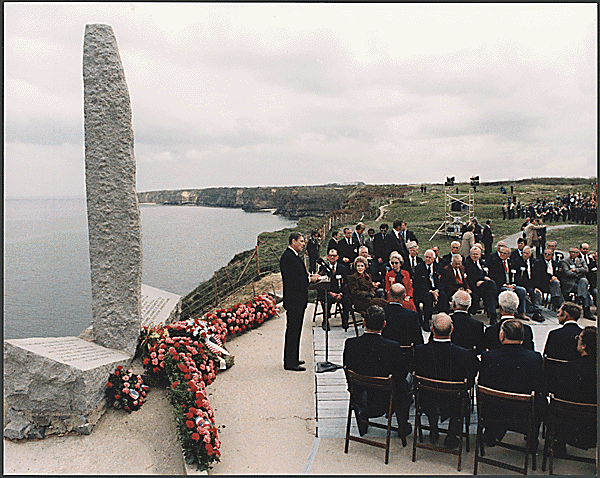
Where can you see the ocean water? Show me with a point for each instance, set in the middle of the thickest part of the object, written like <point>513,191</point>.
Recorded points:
<point>47,285</point>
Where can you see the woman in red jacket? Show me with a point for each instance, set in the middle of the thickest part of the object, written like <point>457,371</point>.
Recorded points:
<point>397,274</point>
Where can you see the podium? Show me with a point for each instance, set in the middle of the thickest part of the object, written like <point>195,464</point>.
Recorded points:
<point>324,286</point>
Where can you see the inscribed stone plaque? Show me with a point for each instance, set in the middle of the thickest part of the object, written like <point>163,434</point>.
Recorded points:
<point>159,306</point>
<point>57,374</point>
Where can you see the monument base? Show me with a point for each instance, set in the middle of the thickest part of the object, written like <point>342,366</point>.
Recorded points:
<point>55,385</point>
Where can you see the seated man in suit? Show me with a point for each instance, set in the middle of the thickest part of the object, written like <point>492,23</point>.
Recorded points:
<point>468,332</point>
<point>481,284</point>
<point>573,276</point>
<point>402,324</point>
<point>508,302</point>
<point>562,342</point>
<point>440,359</point>
<point>577,381</point>
<point>590,259</point>
<point>512,368</point>
<point>455,277</point>
<point>546,272</point>
<point>556,255</point>
<point>503,273</point>
<point>338,275</point>
<point>428,288</point>
<point>524,267</point>
<point>518,252</point>
<point>371,354</point>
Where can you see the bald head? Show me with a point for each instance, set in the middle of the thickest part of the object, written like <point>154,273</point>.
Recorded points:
<point>397,293</point>
<point>441,326</point>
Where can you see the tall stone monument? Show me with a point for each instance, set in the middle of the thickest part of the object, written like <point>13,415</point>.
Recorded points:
<point>57,384</point>
<point>115,237</point>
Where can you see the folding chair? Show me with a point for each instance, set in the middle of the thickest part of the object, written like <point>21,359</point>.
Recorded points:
<point>353,320</point>
<point>487,401</point>
<point>550,367</point>
<point>567,410</point>
<point>384,384</point>
<point>458,391</point>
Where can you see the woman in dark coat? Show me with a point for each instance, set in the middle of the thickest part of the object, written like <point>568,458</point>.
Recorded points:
<point>361,288</point>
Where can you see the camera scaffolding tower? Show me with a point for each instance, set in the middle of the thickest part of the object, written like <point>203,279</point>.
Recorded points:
<point>457,208</point>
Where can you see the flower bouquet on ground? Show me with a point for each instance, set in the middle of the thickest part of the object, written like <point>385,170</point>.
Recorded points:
<point>125,390</point>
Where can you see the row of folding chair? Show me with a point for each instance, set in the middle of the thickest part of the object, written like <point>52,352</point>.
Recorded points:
<point>488,402</point>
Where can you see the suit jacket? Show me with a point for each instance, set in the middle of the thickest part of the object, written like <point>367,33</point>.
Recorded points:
<point>569,276</point>
<point>443,361</point>
<point>542,278</point>
<point>379,247</point>
<point>371,354</point>
<point>487,238</point>
<point>295,280</point>
<point>422,284</point>
<point>516,254</point>
<point>408,267</point>
<point>410,236</point>
<point>392,243</point>
<point>524,276</point>
<point>474,274</point>
<point>332,245</point>
<point>402,325</point>
<point>451,282</point>
<point>511,368</point>
<point>497,272</point>
<point>468,332</point>
<point>561,343</point>
<point>491,336</point>
<point>347,250</point>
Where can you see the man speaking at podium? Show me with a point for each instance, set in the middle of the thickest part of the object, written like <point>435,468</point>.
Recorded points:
<point>295,297</point>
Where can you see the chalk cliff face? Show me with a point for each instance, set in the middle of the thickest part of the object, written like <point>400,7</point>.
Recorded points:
<point>296,201</point>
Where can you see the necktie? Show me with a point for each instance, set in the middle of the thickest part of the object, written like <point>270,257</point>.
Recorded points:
<point>404,235</point>
<point>458,277</point>
<point>506,272</point>
<point>528,269</point>
<point>413,261</point>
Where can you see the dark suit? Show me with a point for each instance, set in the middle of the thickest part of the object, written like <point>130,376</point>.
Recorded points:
<point>451,282</point>
<point>468,332</point>
<point>371,354</point>
<point>487,239</point>
<point>561,343</point>
<point>487,290</point>
<point>511,368</point>
<point>407,266</point>
<point>410,236</point>
<point>393,243</point>
<point>516,254</point>
<point>542,280</point>
<point>295,298</point>
<point>339,285</point>
<point>577,381</point>
<point>379,247</point>
<point>347,250</point>
<point>443,360</point>
<point>401,325</point>
<point>422,287</point>
<point>491,336</point>
<point>525,277</point>
<point>502,278</point>
<point>332,245</point>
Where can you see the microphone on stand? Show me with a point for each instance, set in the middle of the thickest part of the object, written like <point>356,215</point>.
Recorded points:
<point>325,264</point>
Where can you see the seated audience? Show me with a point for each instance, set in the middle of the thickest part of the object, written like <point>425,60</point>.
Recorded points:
<point>402,324</point>
<point>440,359</point>
<point>361,288</point>
<point>468,332</point>
<point>524,267</point>
<point>371,354</point>
<point>481,284</point>
<point>338,275</point>
<point>573,276</point>
<point>512,368</point>
<point>455,277</point>
<point>546,272</point>
<point>577,381</point>
<point>562,342</point>
<point>400,276</point>
<point>508,302</point>
<point>429,288</point>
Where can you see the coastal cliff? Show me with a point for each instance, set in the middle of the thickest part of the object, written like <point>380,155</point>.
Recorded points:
<point>290,201</point>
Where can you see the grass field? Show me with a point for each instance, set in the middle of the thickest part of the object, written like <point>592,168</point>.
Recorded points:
<point>424,212</point>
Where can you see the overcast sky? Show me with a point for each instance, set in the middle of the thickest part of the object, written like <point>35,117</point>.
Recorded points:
<point>291,94</point>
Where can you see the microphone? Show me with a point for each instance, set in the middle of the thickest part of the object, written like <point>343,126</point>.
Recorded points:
<point>325,264</point>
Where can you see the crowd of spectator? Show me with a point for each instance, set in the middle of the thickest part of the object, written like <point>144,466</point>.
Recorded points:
<point>577,207</point>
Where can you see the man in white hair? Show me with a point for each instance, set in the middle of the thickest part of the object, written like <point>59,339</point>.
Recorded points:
<point>509,303</point>
<point>468,332</point>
